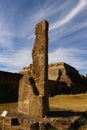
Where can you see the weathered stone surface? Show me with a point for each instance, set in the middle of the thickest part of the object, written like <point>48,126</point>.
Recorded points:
<point>65,79</point>
<point>40,57</point>
<point>60,69</point>
<point>33,93</point>
<point>27,91</point>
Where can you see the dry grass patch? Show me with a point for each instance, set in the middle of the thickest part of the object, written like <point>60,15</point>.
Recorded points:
<point>69,102</point>
<point>10,107</point>
<point>61,102</point>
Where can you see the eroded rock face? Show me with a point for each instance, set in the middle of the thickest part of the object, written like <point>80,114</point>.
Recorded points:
<point>33,93</point>
<point>40,57</point>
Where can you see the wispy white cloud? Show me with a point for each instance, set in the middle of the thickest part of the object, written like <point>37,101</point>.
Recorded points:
<point>76,27</point>
<point>58,14</point>
<point>71,15</point>
<point>44,12</point>
<point>5,35</point>
<point>5,42</point>
<point>16,60</point>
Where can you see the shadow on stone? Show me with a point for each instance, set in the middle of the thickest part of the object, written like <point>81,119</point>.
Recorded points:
<point>14,122</point>
<point>37,126</point>
<point>34,86</point>
<point>48,126</point>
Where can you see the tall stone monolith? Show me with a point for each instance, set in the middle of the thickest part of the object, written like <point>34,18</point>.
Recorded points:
<point>40,57</point>
<point>33,90</point>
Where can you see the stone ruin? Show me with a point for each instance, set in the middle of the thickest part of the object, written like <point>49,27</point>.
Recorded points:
<point>65,79</point>
<point>33,91</point>
<point>35,83</point>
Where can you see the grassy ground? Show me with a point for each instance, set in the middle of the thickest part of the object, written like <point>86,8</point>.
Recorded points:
<point>69,102</point>
<point>74,103</point>
<point>62,102</point>
<point>10,107</point>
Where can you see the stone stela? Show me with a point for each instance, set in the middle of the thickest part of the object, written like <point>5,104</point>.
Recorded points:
<point>33,87</point>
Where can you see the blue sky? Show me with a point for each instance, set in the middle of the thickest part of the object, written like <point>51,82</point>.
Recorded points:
<point>67,32</point>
